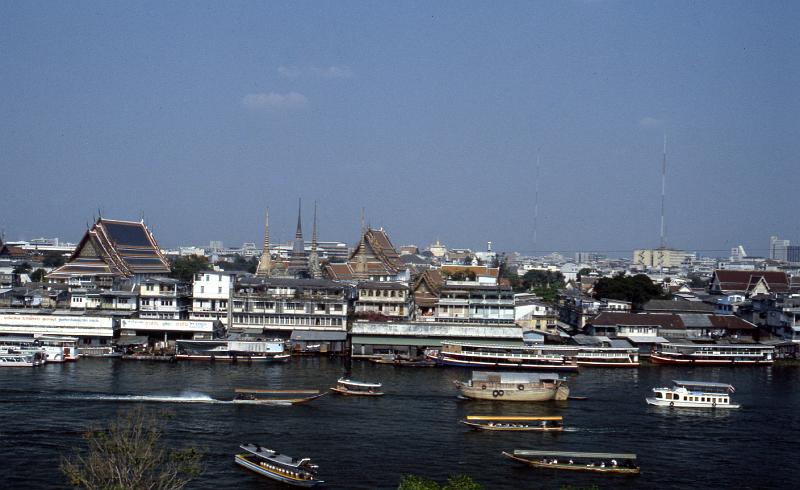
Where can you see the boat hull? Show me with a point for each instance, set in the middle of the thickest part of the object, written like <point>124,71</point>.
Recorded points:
<point>485,427</point>
<point>449,361</point>
<point>608,364</point>
<point>686,404</point>
<point>659,359</point>
<point>611,470</point>
<point>514,395</point>
<point>242,460</point>
<point>343,391</point>
<point>225,358</point>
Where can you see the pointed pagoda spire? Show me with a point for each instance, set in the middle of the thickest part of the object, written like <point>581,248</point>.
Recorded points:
<point>298,262</point>
<point>313,258</point>
<point>265,262</point>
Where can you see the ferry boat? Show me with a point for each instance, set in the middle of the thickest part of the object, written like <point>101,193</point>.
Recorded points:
<point>51,348</point>
<point>611,463</point>
<point>596,356</point>
<point>19,359</point>
<point>530,357</point>
<point>232,350</point>
<point>514,386</point>
<point>694,394</point>
<point>713,354</point>
<point>251,396</point>
<point>357,388</point>
<point>514,423</point>
<point>285,469</point>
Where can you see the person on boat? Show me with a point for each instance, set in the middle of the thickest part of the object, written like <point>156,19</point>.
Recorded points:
<point>614,463</point>
<point>571,462</point>
<point>603,464</point>
<point>555,461</point>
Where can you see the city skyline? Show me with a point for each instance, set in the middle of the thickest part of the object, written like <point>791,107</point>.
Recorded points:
<point>429,116</point>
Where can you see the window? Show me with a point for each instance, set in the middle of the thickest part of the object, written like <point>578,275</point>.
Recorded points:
<point>659,394</point>
<point>202,289</point>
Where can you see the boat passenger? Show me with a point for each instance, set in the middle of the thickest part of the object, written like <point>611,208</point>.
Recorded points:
<point>555,461</point>
<point>614,463</point>
<point>571,462</point>
<point>603,464</point>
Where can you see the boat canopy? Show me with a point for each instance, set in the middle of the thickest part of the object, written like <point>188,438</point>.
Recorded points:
<point>359,383</point>
<point>512,377</point>
<point>568,454</point>
<point>703,384</point>
<point>511,417</point>
<point>271,455</point>
<point>299,392</point>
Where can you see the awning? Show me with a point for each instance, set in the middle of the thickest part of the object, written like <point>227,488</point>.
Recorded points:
<point>318,335</point>
<point>419,341</point>
<point>126,340</point>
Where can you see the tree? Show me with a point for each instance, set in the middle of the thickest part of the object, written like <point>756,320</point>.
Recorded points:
<point>239,263</point>
<point>22,268</point>
<point>638,289</point>
<point>542,279</point>
<point>38,275</point>
<point>454,482</point>
<point>583,272</point>
<point>53,260</point>
<point>184,268</point>
<point>129,454</point>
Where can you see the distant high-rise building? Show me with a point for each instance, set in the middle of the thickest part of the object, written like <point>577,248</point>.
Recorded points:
<point>778,248</point>
<point>793,254</point>
<point>215,245</point>
<point>738,253</point>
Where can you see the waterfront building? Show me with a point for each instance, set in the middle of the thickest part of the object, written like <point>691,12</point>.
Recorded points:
<point>34,295</point>
<point>411,339</point>
<point>531,313</point>
<point>161,334</point>
<point>474,302</point>
<point>778,313</point>
<point>163,298</point>
<point>120,302</point>
<point>93,333</point>
<point>748,283</point>
<point>279,305</point>
<point>426,290</point>
<point>389,300</point>
<point>211,295</point>
<point>109,251</point>
<point>673,326</point>
<point>374,259</point>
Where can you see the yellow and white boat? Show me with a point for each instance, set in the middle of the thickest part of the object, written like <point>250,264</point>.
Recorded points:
<point>514,423</point>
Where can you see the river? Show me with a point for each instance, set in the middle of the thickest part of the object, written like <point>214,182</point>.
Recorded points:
<point>365,442</point>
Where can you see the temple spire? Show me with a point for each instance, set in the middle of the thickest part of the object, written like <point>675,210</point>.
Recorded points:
<point>298,261</point>
<point>361,266</point>
<point>298,235</point>
<point>313,258</point>
<point>265,262</point>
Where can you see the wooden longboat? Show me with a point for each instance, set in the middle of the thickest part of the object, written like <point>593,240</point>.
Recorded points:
<point>285,469</point>
<point>357,388</point>
<point>252,396</point>
<point>514,423</point>
<point>576,461</point>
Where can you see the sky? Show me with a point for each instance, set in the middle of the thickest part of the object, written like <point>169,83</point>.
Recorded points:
<point>429,115</point>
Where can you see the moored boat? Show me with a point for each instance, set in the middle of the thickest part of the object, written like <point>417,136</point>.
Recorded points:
<point>357,388</point>
<point>507,356</point>
<point>611,463</point>
<point>514,423</point>
<point>266,462</point>
<point>21,359</point>
<point>415,363</point>
<point>253,396</point>
<point>384,359</point>
<point>596,356</point>
<point>514,386</point>
<point>713,354</point>
<point>694,394</point>
<point>232,350</point>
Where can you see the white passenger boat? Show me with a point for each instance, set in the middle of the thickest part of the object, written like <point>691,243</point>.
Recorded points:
<point>18,359</point>
<point>357,388</point>
<point>713,354</point>
<point>52,348</point>
<point>596,356</point>
<point>693,394</point>
<point>232,350</point>
<point>285,469</point>
<point>506,356</point>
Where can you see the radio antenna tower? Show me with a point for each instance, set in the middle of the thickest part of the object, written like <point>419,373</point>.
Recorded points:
<point>536,203</point>
<point>663,189</point>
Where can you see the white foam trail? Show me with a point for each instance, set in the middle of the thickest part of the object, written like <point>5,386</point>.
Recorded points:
<point>187,398</point>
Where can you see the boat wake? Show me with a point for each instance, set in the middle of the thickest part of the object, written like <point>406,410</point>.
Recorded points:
<point>182,398</point>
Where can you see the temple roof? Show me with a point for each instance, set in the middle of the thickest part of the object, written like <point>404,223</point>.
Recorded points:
<point>114,248</point>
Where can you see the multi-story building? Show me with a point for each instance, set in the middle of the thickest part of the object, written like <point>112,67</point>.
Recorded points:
<point>472,302</point>
<point>163,298</point>
<point>211,295</point>
<point>267,304</point>
<point>659,258</point>
<point>376,299</point>
<point>120,301</point>
<point>778,248</point>
<point>533,314</point>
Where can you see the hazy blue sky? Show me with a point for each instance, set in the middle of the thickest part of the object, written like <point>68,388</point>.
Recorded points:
<point>429,114</point>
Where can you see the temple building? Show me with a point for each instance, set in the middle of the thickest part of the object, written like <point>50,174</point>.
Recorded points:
<point>374,259</point>
<point>111,251</point>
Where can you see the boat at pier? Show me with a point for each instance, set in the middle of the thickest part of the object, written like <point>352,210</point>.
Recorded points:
<point>514,386</point>
<point>415,363</point>
<point>505,356</point>
<point>52,348</point>
<point>232,350</point>
<point>612,463</point>
<point>514,423</point>
<point>253,396</point>
<point>357,388</point>
<point>285,469</point>
<point>20,359</point>
<point>596,356</point>
<point>694,394</point>
<point>713,354</point>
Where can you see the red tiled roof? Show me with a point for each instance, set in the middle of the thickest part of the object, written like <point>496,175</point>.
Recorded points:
<point>737,280</point>
<point>662,320</point>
